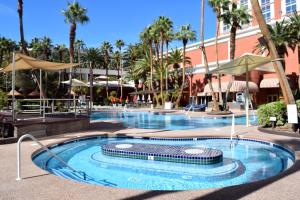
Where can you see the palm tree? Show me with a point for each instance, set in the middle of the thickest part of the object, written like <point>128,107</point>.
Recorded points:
<point>286,90</point>
<point>215,104</point>
<point>46,45</point>
<point>169,36</point>
<point>92,57</point>
<point>79,45</point>
<point>163,25</point>
<point>218,6</point>
<point>20,12</point>
<point>185,34</point>
<point>294,36</point>
<point>236,18</point>
<point>280,37</point>
<point>74,14</point>
<point>119,44</point>
<point>106,49</point>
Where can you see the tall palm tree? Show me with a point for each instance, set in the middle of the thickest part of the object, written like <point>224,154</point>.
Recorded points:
<point>119,44</point>
<point>20,12</point>
<point>185,34</point>
<point>286,90</point>
<point>46,45</point>
<point>74,14</point>
<point>169,36</point>
<point>218,6</point>
<point>215,103</point>
<point>106,49</point>
<point>163,25</point>
<point>236,18</point>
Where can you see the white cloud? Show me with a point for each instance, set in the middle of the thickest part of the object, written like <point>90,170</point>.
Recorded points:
<point>7,11</point>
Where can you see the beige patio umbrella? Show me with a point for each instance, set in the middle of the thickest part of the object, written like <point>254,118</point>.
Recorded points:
<point>242,65</point>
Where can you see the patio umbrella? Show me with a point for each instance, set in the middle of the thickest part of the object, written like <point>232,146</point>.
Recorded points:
<point>242,65</point>
<point>14,92</point>
<point>149,98</point>
<point>138,98</point>
<point>143,98</point>
<point>75,83</point>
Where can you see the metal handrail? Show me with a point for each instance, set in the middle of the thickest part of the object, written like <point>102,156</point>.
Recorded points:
<point>46,149</point>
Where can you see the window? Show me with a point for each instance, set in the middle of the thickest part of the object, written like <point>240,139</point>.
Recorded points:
<point>244,3</point>
<point>290,6</point>
<point>226,28</point>
<point>266,9</point>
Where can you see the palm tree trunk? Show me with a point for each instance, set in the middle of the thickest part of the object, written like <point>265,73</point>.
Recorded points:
<point>215,103</point>
<point>183,78</point>
<point>286,90</point>
<point>20,11</point>
<point>71,49</point>
<point>91,83</point>
<point>161,67</point>
<point>217,60</point>
<point>151,72</point>
<point>167,63</point>
<point>106,87</point>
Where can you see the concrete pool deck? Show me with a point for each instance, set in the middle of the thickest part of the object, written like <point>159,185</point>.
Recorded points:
<point>38,184</point>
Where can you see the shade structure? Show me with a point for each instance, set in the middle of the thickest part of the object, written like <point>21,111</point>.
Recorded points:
<point>16,93</point>
<point>242,65</point>
<point>112,84</point>
<point>23,62</point>
<point>75,83</point>
<point>237,86</point>
<point>269,83</point>
<point>34,93</point>
<point>238,65</point>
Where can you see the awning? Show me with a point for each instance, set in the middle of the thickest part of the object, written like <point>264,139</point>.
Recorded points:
<point>203,94</point>
<point>237,86</point>
<point>24,62</point>
<point>269,83</point>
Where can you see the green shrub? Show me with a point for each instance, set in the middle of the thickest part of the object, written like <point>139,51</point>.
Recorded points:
<point>274,109</point>
<point>298,104</point>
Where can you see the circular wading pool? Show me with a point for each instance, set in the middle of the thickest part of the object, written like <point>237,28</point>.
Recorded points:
<point>243,161</point>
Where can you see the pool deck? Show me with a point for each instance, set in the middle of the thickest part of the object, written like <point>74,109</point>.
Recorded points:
<point>38,184</point>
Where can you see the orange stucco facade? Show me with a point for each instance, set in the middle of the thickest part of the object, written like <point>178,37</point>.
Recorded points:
<point>246,41</point>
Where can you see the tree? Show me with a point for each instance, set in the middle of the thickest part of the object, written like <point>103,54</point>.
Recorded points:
<point>286,90</point>
<point>106,50</point>
<point>74,14</point>
<point>234,17</point>
<point>119,44</point>
<point>218,6</point>
<point>163,25</point>
<point>215,104</point>
<point>169,36</point>
<point>20,12</point>
<point>79,45</point>
<point>92,57</point>
<point>147,37</point>
<point>185,34</point>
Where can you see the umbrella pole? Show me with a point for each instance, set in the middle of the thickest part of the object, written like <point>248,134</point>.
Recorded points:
<point>40,91</point>
<point>247,95</point>
<point>13,86</point>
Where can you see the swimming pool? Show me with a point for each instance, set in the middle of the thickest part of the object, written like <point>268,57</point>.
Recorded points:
<point>243,162</point>
<point>166,121</point>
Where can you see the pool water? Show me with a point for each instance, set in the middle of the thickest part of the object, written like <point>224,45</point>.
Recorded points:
<point>152,120</point>
<point>244,161</point>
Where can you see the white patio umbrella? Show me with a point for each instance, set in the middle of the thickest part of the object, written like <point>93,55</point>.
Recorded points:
<point>149,98</point>
<point>75,83</point>
<point>143,98</point>
<point>138,98</point>
<point>242,65</point>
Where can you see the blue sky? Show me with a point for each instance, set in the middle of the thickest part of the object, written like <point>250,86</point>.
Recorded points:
<point>109,19</point>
